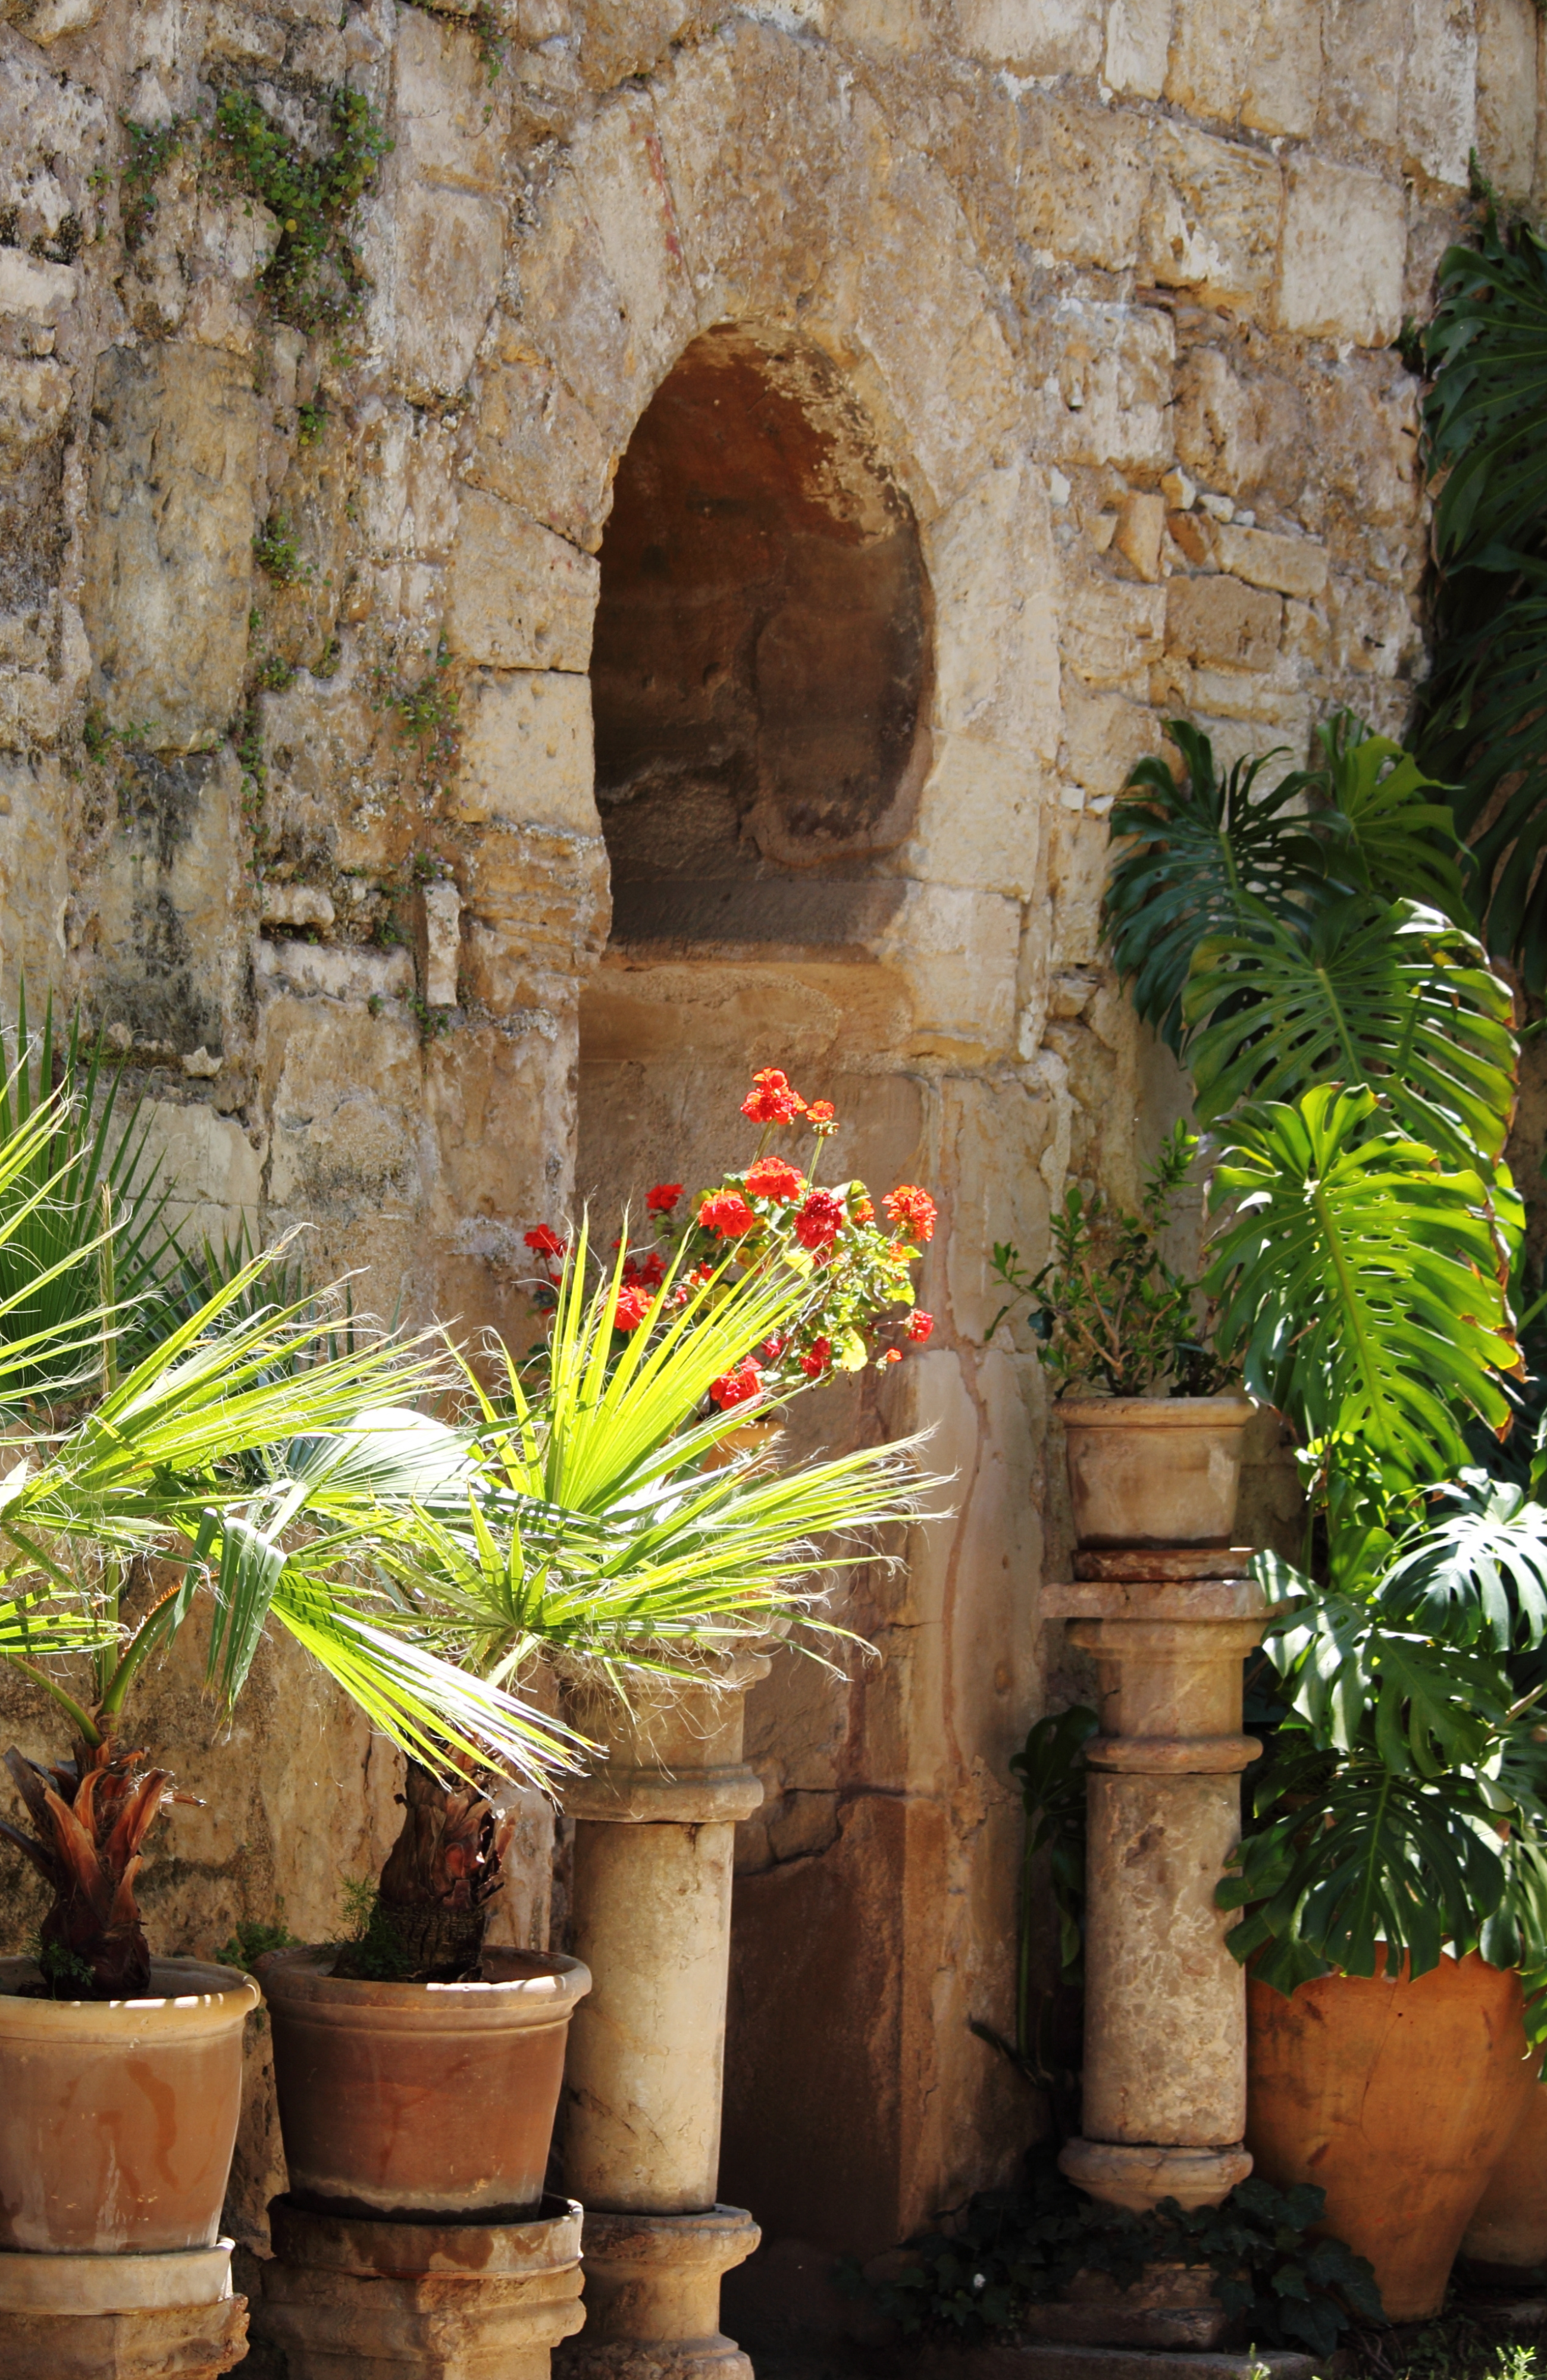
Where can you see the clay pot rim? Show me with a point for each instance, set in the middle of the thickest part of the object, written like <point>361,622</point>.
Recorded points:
<point>1155,1412</point>
<point>220,1999</point>
<point>294,1980</point>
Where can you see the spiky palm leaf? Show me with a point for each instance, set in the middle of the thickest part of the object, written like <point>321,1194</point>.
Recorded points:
<point>1482,723</point>
<point>605,1537</point>
<point>1358,1281</point>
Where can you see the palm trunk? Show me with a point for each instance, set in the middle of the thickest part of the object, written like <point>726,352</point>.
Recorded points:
<point>90,1817</point>
<point>440,1876</point>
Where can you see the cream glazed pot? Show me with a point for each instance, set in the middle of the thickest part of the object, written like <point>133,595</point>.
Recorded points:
<point>1155,1471</point>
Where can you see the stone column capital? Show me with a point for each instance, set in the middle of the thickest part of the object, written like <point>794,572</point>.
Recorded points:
<point>673,1748</point>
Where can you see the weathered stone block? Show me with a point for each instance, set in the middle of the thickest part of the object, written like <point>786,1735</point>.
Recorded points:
<point>1141,528</point>
<point>1104,736</point>
<point>1084,179</point>
<point>1212,220</point>
<point>958,951</point>
<point>1113,630</point>
<point>1508,38</point>
<point>1291,566</point>
<point>1210,50</point>
<point>1219,620</point>
<point>517,596</point>
<point>1365,49</point>
<point>448,118</point>
<point>34,289</point>
<point>1284,76</point>
<point>991,568</point>
<point>1373,630</point>
<point>1364,421</point>
<point>537,909</point>
<point>34,874</point>
<point>980,819</point>
<point>1245,438</point>
<point>538,447</point>
<point>343,1091</point>
<point>1344,242</point>
<point>1040,37</point>
<point>211,1172</point>
<point>437,258</point>
<point>526,752</point>
<point>169,542</point>
<point>440,940</point>
<point>1114,374</point>
<point>1439,91</point>
<point>165,936</point>
<point>1138,46</point>
<point>34,399</point>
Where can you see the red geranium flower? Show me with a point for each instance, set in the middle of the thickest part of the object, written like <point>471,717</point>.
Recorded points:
<point>633,1308</point>
<point>821,1113</point>
<point>909,1208</point>
<point>728,1213</point>
<point>546,1241</point>
<point>736,1387</point>
<point>662,1198</point>
<point>774,1177</point>
<point>820,1219</point>
<point>919,1324</point>
<point>817,1357</point>
<point>771,1099</point>
<point>893,1355</point>
<point>772,1349</point>
<point>864,1211</point>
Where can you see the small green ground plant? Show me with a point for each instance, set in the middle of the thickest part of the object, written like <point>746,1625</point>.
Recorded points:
<point>1015,2249</point>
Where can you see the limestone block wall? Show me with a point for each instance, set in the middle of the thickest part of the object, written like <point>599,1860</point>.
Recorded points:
<point>298,791</point>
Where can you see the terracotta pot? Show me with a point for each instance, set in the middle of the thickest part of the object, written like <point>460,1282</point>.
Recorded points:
<point>1395,2098</point>
<point>414,2100</point>
<point>746,1438</point>
<point>117,2117</point>
<point>1155,1471</point>
<point>1508,2230</point>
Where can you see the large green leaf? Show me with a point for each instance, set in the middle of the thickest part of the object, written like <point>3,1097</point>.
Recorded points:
<point>1364,991</point>
<point>1482,724</point>
<point>1385,822</point>
<point>1358,1281</point>
<point>1188,854</point>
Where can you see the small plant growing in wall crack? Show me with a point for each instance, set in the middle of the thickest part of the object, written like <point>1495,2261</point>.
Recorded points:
<point>433,1023</point>
<point>277,554</point>
<point>426,710</point>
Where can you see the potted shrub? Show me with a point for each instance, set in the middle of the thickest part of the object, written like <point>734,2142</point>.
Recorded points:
<point>1352,1050</point>
<point>591,1531</point>
<point>1154,1456</point>
<point>239,1456</point>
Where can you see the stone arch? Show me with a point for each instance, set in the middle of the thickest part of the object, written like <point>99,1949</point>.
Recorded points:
<point>762,660</point>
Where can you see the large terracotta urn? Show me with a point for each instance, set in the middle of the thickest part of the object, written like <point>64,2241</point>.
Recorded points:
<point>1155,1471</point>
<point>1395,2097</point>
<point>1507,2234</point>
<point>118,2118</point>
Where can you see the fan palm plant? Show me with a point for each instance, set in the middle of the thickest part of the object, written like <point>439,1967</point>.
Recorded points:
<point>589,1530</point>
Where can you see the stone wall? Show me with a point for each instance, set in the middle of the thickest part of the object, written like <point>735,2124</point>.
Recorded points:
<point>1105,292</point>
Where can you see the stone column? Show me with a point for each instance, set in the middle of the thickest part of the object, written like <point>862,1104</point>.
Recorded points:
<point>653,1848</point>
<point>354,2297</point>
<point>1164,2097</point>
<point>157,2317</point>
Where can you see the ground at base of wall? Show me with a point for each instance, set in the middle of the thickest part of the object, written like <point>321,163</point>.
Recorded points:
<point>1484,2335</point>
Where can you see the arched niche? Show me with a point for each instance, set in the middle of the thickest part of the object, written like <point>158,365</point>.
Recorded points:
<point>762,658</point>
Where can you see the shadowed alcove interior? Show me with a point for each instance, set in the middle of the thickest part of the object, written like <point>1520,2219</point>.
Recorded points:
<point>761,680</point>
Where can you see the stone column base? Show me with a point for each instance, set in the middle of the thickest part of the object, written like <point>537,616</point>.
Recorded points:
<point>1138,2176</point>
<point>652,2297</point>
<point>164,2317</point>
<point>349,2298</point>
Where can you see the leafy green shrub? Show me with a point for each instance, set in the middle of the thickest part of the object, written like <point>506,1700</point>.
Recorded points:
<point>1018,2248</point>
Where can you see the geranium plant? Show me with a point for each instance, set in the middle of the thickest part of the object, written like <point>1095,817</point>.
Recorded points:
<point>858,1263</point>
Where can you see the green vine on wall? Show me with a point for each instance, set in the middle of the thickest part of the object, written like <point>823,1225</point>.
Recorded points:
<point>314,279</point>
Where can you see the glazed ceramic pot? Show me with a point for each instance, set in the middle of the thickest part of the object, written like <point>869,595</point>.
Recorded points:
<point>1155,1471</point>
<point>1398,2098</point>
<point>420,2100</point>
<point>118,2118</point>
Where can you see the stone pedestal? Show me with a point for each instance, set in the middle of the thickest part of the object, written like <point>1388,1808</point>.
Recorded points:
<point>654,1846</point>
<point>165,2317</point>
<point>1164,2097</point>
<point>350,2298</point>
